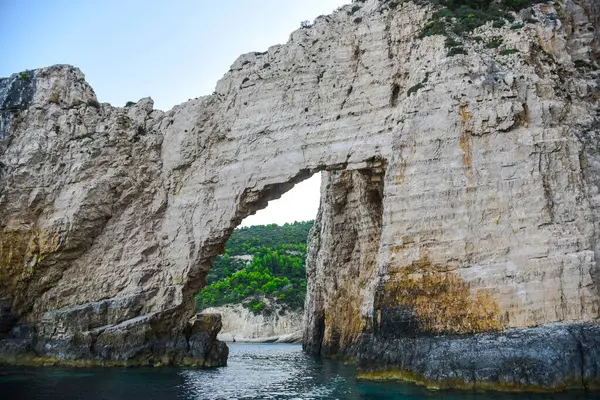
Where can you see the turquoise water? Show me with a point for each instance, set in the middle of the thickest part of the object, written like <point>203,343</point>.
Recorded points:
<point>254,371</point>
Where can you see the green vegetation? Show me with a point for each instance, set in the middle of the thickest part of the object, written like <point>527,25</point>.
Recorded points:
<point>456,51</point>
<point>306,24</point>
<point>581,64</point>
<point>93,103</point>
<point>507,52</point>
<point>498,23</point>
<point>455,47</point>
<point>277,270</point>
<point>495,42</point>
<point>415,89</point>
<point>24,76</point>
<point>242,240</point>
<point>451,42</point>
<point>256,306</point>
<point>459,17</point>
<point>419,85</point>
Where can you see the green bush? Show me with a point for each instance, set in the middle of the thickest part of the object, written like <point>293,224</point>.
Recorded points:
<point>462,16</point>
<point>93,103</point>
<point>242,240</point>
<point>24,76</point>
<point>426,79</point>
<point>306,24</point>
<point>451,42</point>
<point>456,51</point>
<point>415,89</point>
<point>256,306</point>
<point>433,28</point>
<point>506,52</point>
<point>495,42</point>
<point>581,64</point>
<point>419,85</point>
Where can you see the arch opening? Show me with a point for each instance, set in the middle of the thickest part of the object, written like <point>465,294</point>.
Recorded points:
<point>257,282</point>
<point>338,255</point>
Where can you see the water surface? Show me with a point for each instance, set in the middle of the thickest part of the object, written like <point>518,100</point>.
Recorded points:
<point>254,371</point>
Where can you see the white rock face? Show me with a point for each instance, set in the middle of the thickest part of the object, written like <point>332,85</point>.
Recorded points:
<point>489,189</point>
<point>242,325</point>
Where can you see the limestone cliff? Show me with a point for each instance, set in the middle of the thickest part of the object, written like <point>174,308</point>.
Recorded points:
<point>461,198</point>
<point>274,325</point>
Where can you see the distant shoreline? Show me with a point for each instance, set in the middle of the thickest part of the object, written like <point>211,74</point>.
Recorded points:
<point>290,338</point>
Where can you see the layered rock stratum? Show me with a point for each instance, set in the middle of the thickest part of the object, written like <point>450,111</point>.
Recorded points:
<point>275,325</point>
<point>458,238</point>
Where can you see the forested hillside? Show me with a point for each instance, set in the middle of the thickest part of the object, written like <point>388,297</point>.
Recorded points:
<point>263,262</point>
<point>244,239</point>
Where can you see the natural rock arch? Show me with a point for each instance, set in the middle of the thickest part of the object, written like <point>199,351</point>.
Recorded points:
<point>109,217</point>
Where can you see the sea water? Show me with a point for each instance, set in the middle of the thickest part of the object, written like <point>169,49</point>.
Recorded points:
<point>254,371</point>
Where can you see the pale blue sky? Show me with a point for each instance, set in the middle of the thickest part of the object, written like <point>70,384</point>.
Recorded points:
<point>169,50</point>
<point>128,49</point>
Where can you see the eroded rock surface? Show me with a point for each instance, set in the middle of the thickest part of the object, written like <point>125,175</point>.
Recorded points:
<point>276,324</point>
<point>553,357</point>
<point>461,195</point>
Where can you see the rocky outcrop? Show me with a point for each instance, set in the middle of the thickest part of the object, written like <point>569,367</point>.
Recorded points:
<point>78,178</point>
<point>275,324</point>
<point>342,256</point>
<point>447,279</point>
<point>554,357</point>
<point>461,193</point>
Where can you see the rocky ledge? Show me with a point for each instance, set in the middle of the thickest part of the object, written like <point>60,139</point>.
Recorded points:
<point>140,341</point>
<point>554,357</point>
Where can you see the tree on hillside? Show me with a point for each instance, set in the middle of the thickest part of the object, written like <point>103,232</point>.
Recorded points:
<point>276,269</point>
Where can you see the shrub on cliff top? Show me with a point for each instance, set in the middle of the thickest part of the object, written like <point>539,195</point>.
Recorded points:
<point>306,24</point>
<point>462,16</point>
<point>24,76</point>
